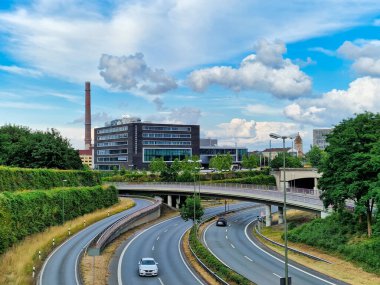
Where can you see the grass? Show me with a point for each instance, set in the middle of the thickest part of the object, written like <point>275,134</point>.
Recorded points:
<point>339,269</point>
<point>17,263</point>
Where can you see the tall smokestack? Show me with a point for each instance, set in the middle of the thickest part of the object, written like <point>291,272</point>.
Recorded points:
<point>87,122</point>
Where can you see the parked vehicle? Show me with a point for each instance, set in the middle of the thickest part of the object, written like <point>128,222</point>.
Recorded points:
<point>148,267</point>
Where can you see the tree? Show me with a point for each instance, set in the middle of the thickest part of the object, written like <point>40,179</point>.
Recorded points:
<point>351,168</point>
<point>221,162</point>
<point>21,147</point>
<point>250,162</point>
<point>157,165</point>
<point>176,166</point>
<point>315,156</point>
<point>187,210</point>
<point>290,161</point>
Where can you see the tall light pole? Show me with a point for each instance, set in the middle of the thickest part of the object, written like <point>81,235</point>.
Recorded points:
<point>63,203</point>
<point>276,136</point>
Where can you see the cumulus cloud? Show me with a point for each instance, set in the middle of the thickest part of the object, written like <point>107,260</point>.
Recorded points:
<point>182,115</point>
<point>99,117</point>
<point>323,50</point>
<point>236,128</point>
<point>264,71</point>
<point>262,109</point>
<point>365,54</point>
<point>132,72</point>
<point>362,95</point>
<point>159,104</point>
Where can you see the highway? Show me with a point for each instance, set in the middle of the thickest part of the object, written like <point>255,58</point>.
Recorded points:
<point>162,242</point>
<point>234,246</point>
<point>60,267</point>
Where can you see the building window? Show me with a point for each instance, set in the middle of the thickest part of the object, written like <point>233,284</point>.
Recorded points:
<point>166,143</point>
<point>111,151</point>
<point>168,154</point>
<point>166,136</point>
<point>166,128</point>
<point>116,158</point>
<point>113,137</point>
<point>107,167</point>
<point>102,144</point>
<point>112,130</point>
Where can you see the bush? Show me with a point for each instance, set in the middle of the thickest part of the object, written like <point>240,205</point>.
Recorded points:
<point>14,179</point>
<point>28,212</point>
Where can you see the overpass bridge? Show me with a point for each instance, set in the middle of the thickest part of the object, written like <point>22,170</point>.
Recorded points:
<point>303,199</point>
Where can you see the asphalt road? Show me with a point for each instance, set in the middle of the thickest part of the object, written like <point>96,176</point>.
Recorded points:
<point>162,242</point>
<point>60,267</point>
<point>233,246</point>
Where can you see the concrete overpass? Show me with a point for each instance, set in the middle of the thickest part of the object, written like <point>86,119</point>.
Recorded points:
<point>298,199</point>
<point>297,178</point>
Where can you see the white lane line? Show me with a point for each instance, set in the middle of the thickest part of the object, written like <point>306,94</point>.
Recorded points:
<point>183,260</point>
<point>76,264</point>
<point>158,237</point>
<point>226,237</point>
<point>226,230</point>
<point>204,240</point>
<point>119,280</point>
<point>153,248</point>
<point>277,275</point>
<point>299,269</point>
<point>159,279</point>
<point>175,225</point>
<point>232,245</point>
<point>165,230</point>
<point>248,258</point>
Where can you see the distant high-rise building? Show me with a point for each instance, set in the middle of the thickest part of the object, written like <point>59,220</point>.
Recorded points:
<point>319,137</point>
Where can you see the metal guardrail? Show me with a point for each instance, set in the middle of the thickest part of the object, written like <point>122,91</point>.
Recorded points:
<point>106,236</point>
<point>298,198</point>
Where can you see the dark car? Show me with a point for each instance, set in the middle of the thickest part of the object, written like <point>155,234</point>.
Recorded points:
<point>221,222</point>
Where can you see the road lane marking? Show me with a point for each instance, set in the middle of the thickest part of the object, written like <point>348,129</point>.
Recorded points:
<point>119,280</point>
<point>159,279</point>
<point>248,258</point>
<point>226,230</point>
<point>153,248</point>
<point>277,275</point>
<point>299,269</point>
<point>226,237</point>
<point>232,245</point>
<point>158,237</point>
<point>165,230</point>
<point>183,260</point>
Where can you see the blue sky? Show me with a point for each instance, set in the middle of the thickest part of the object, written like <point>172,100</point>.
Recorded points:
<point>239,69</point>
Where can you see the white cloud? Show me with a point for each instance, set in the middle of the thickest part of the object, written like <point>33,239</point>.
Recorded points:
<point>66,38</point>
<point>25,106</point>
<point>262,109</point>
<point>131,72</point>
<point>365,54</point>
<point>323,50</point>
<point>252,134</point>
<point>264,71</point>
<point>303,63</point>
<point>100,117</point>
<point>362,95</point>
<point>182,115</point>
<point>21,71</point>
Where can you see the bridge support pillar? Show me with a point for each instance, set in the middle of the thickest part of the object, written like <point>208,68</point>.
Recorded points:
<point>170,202</point>
<point>177,202</point>
<point>268,216</point>
<point>315,183</point>
<point>280,215</point>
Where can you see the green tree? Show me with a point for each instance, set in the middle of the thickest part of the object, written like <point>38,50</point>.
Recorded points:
<point>315,156</point>
<point>158,165</point>
<point>351,168</point>
<point>221,162</point>
<point>187,210</point>
<point>290,161</point>
<point>250,162</point>
<point>176,166</point>
<point>19,146</point>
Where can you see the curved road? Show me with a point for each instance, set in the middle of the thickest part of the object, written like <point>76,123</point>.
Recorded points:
<point>233,246</point>
<point>60,266</point>
<point>162,242</point>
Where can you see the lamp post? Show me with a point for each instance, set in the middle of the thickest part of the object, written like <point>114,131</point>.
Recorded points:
<point>276,136</point>
<point>63,203</point>
<point>192,161</point>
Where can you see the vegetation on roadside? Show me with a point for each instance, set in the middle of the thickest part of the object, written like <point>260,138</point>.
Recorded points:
<point>213,263</point>
<point>14,178</point>
<point>22,147</point>
<point>24,213</point>
<point>290,161</point>
<point>191,209</point>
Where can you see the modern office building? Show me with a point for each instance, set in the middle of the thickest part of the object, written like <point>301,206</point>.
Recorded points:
<point>131,143</point>
<point>209,148</point>
<point>319,137</point>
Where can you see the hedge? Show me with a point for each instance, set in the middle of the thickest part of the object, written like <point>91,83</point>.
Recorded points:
<point>213,263</point>
<point>26,212</point>
<point>14,179</point>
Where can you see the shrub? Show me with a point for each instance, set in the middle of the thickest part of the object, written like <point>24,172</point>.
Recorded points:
<point>28,212</point>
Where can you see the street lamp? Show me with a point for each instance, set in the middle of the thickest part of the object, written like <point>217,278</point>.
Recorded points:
<point>192,161</point>
<point>63,203</point>
<point>276,136</point>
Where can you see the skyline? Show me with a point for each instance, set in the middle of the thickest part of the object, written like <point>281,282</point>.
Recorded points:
<point>239,73</point>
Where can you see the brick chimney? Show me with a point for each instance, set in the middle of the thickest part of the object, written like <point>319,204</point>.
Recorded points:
<point>87,122</point>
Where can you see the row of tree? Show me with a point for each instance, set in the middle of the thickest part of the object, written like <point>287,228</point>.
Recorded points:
<point>22,147</point>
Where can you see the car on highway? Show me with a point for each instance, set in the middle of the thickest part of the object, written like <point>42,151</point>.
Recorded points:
<point>221,222</point>
<point>148,267</point>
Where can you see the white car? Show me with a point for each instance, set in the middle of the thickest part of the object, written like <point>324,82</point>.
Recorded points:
<point>148,267</point>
